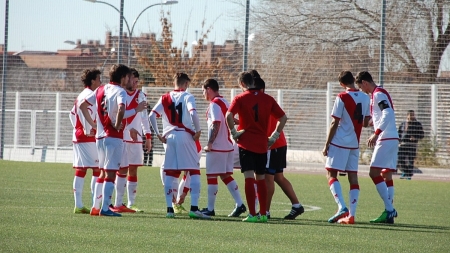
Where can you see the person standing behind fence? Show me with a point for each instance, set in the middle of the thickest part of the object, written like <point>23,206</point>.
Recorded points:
<point>410,132</point>
<point>385,143</point>
<point>254,108</point>
<point>351,111</point>
<point>181,131</point>
<point>219,150</point>
<point>85,154</point>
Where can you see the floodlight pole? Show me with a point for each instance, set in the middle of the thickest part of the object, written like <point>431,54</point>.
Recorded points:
<point>382,43</point>
<point>5,63</point>
<point>247,20</point>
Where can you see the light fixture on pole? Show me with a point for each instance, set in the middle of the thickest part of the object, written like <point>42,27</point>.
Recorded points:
<point>130,31</point>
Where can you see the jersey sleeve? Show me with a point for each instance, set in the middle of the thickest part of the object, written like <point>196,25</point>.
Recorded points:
<point>234,106</point>
<point>190,103</point>
<point>387,113</point>
<point>122,97</point>
<point>277,112</point>
<point>338,108</point>
<point>215,112</point>
<point>158,108</point>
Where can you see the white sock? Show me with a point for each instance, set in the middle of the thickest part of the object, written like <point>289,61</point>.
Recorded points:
<point>108,189</point>
<point>195,189</point>
<point>234,190</point>
<point>98,193</point>
<point>78,183</point>
<point>353,199</point>
<point>131,190</point>
<point>336,191</point>
<point>181,187</point>
<point>93,181</point>
<point>390,187</point>
<point>168,190</point>
<point>121,185</point>
<point>213,188</point>
<point>383,192</point>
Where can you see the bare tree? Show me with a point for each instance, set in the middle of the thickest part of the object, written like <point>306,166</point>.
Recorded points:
<point>161,60</point>
<point>324,36</point>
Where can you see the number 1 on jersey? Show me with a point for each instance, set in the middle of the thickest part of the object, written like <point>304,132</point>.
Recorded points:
<point>176,111</point>
<point>255,108</point>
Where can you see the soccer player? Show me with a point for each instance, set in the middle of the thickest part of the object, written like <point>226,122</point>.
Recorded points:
<point>254,108</point>
<point>351,111</point>
<point>84,150</point>
<point>181,131</point>
<point>133,154</point>
<point>219,149</point>
<point>385,141</point>
<point>110,100</point>
<point>276,162</point>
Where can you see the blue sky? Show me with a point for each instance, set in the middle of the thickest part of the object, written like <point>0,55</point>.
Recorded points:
<point>46,24</point>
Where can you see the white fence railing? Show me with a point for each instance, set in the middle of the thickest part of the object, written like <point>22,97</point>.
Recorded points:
<point>37,127</point>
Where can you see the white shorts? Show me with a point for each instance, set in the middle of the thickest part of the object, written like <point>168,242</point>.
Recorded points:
<point>181,152</point>
<point>219,163</point>
<point>85,155</point>
<point>342,159</point>
<point>112,152</point>
<point>384,155</point>
<point>124,161</point>
<point>134,151</point>
<point>236,161</point>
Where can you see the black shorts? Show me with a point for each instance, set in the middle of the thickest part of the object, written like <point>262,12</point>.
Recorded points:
<point>251,161</point>
<point>277,160</point>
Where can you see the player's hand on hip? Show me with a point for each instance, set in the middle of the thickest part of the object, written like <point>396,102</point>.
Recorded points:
<point>273,138</point>
<point>372,140</point>
<point>236,134</point>
<point>325,150</point>
<point>207,148</point>
<point>196,136</point>
<point>133,134</point>
<point>162,138</point>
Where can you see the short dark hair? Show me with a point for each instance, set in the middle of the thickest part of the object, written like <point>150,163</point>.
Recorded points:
<point>212,84</point>
<point>246,78</point>
<point>346,77</point>
<point>134,72</point>
<point>88,75</point>
<point>259,82</point>
<point>410,112</point>
<point>181,78</point>
<point>117,72</point>
<point>363,76</point>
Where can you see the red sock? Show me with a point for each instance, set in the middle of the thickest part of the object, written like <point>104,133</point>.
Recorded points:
<point>262,196</point>
<point>250,195</point>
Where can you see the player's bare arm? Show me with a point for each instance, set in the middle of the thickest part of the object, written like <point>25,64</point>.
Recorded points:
<point>154,124</point>
<point>367,121</point>
<point>119,117</point>
<point>148,145</point>
<point>331,132</point>
<point>212,135</point>
<point>84,109</point>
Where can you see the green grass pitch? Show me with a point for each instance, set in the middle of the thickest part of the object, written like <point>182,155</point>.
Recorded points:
<point>36,215</point>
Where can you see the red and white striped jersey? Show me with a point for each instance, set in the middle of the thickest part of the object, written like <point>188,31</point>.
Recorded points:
<point>174,108</point>
<point>81,126</point>
<point>216,113</point>
<point>107,98</point>
<point>350,107</point>
<point>138,121</point>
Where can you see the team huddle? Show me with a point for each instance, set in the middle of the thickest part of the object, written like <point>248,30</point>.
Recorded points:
<point>111,121</point>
